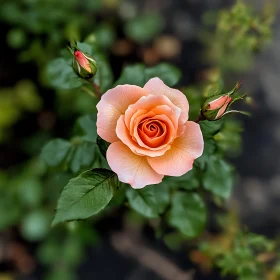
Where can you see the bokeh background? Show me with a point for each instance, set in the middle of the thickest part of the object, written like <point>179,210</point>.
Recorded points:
<point>31,112</point>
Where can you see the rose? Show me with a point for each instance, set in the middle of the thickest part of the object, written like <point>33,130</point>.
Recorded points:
<point>149,131</point>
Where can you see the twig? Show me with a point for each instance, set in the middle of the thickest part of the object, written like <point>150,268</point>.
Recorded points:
<point>199,118</point>
<point>125,243</point>
<point>88,91</point>
<point>97,90</point>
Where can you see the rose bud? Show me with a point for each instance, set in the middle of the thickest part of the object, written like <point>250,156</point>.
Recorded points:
<point>84,65</point>
<point>215,107</point>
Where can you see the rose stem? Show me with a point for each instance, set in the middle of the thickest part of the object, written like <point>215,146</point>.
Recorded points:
<point>97,90</point>
<point>199,118</point>
<point>88,91</point>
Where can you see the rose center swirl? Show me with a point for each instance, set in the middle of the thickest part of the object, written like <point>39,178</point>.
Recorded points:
<point>152,132</point>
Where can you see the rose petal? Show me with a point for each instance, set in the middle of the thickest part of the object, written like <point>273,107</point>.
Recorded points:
<point>218,103</point>
<point>112,105</point>
<point>126,138</point>
<point>156,86</point>
<point>184,150</point>
<point>131,168</point>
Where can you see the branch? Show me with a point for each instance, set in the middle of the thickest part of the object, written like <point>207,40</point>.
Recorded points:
<point>131,246</point>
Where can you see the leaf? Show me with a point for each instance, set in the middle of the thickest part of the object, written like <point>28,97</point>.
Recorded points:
<point>133,74</point>
<point>60,74</point>
<point>210,128</point>
<point>149,201</point>
<point>188,181</point>
<point>209,149</point>
<point>104,75</point>
<point>174,240</point>
<point>144,27</point>
<point>188,213</point>
<point>168,73</point>
<point>35,225</point>
<point>85,48</point>
<point>138,75</point>
<point>30,191</point>
<point>194,97</point>
<point>86,195</point>
<point>218,177</point>
<point>102,145</point>
<point>55,151</point>
<point>10,211</point>
<point>82,156</point>
<point>86,126</point>
<point>105,35</point>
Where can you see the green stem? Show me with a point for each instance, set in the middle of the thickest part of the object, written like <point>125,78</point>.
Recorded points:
<point>88,91</point>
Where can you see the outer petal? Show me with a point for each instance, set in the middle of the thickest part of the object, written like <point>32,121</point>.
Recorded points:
<point>131,168</point>
<point>185,149</point>
<point>218,103</point>
<point>112,105</point>
<point>157,87</point>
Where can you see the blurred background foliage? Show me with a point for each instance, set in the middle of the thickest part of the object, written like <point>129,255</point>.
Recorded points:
<point>41,97</point>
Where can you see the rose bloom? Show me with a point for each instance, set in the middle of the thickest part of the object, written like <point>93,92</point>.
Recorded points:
<point>149,132</point>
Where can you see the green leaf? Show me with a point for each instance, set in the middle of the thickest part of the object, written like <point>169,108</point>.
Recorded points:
<point>85,48</point>
<point>209,149</point>
<point>210,128</point>
<point>218,177</point>
<point>10,210</point>
<point>104,75</point>
<point>83,155</point>
<point>188,213</point>
<point>102,145</point>
<point>194,97</point>
<point>143,28</point>
<point>86,126</point>
<point>138,75</point>
<point>168,73</point>
<point>133,75</point>
<point>60,74</point>
<point>174,240</point>
<point>86,195</point>
<point>105,35</point>
<point>55,151</point>
<point>149,201</point>
<point>30,191</point>
<point>188,181</point>
<point>36,225</point>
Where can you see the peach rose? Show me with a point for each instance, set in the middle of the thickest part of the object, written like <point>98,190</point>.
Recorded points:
<point>149,131</point>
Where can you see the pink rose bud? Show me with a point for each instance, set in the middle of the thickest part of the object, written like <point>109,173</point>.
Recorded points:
<point>215,107</point>
<point>84,65</point>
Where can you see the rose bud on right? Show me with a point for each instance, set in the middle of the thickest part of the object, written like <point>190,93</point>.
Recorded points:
<point>217,106</point>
